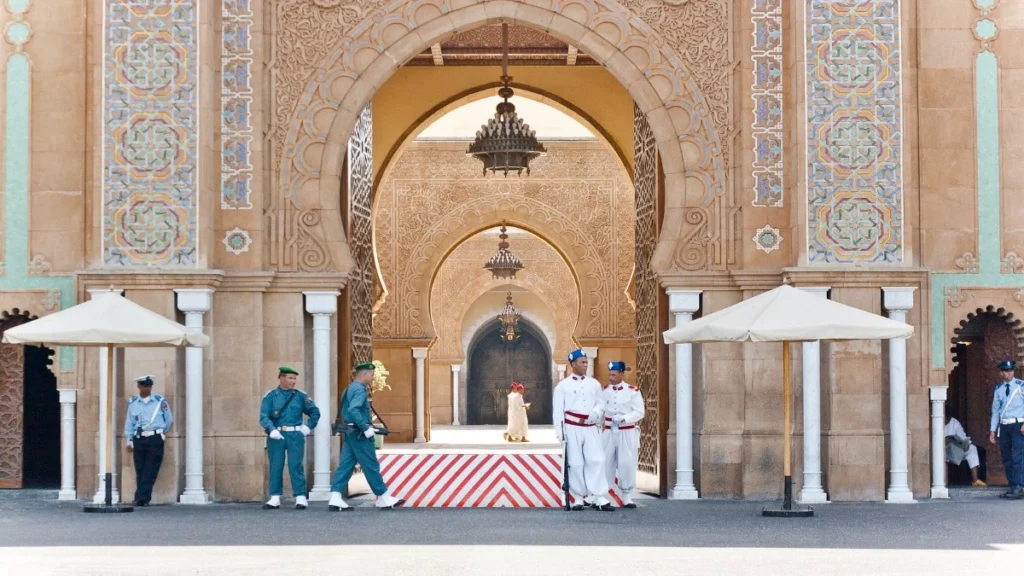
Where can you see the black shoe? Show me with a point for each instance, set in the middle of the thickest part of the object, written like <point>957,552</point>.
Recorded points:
<point>331,508</point>
<point>300,507</point>
<point>1009,493</point>
<point>630,506</point>
<point>604,508</point>
<point>269,507</point>
<point>588,504</point>
<point>1017,494</point>
<point>139,504</point>
<point>577,508</point>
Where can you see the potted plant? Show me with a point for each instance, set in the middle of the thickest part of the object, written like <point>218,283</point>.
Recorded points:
<point>380,377</point>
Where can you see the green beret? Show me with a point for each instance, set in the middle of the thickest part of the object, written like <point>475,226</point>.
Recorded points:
<point>286,370</point>
<point>365,366</point>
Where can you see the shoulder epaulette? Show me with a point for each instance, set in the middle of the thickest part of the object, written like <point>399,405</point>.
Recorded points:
<point>133,399</point>
<point>269,392</point>
<point>631,387</point>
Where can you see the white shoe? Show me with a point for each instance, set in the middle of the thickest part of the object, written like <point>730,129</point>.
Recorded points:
<point>301,503</point>
<point>273,504</point>
<point>387,501</point>
<point>336,504</point>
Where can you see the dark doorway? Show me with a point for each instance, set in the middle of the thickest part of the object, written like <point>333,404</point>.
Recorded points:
<point>986,338</point>
<point>41,439</point>
<point>493,366</point>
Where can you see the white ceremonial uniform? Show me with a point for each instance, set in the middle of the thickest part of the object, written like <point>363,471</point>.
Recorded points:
<point>577,408</point>
<point>954,429</point>
<point>623,409</point>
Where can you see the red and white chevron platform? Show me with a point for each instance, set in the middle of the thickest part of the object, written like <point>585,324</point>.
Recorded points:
<point>476,479</point>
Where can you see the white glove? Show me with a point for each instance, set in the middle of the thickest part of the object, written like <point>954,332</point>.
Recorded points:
<point>594,418</point>
<point>618,418</point>
<point>304,429</point>
<point>276,435</point>
<point>370,432</point>
<point>558,434</point>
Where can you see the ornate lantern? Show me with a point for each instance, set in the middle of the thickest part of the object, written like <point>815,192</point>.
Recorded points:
<point>509,319</point>
<point>506,143</point>
<point>503,264</point>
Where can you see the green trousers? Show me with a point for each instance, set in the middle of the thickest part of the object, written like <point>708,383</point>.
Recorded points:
<point>294,444</point>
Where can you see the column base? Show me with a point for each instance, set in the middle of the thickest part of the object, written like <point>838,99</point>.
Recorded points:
<point>900,497</point>
<point>101,497</point>
<point>420,440</point>
<point>319,494</point>
<point>195,499</point>
<point>70,494</point>
<point>683,494</point>
<point>940,493</point>
<point>813,496</point>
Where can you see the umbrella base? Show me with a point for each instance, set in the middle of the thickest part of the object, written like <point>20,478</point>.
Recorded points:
<point>782,512</point>
<point>104,509</point>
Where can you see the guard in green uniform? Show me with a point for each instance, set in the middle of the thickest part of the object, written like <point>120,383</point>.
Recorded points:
<point>357,444</point>
<point>281,417</point>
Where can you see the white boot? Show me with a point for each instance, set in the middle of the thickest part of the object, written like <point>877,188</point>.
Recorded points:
<point>337,504</point>
<point>273,504</point>
<point>386,501</point>
<point>301,503</point>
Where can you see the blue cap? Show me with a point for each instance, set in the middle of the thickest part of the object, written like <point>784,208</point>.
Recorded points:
<point>1007,365</point>
<point>620,366</point>
<point>576,355</point>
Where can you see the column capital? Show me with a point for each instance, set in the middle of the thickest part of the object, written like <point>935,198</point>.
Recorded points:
<point>68,395</point>
<point>937,393</point>
<point>591,351</point>
<point>419,353</point>
<point>683,301</point>
<point>97,292</point>
<point>194,299</point>
<point>321,302</point>
<point>456,368</point>
<point>898,297</point>
<point>821,291</point>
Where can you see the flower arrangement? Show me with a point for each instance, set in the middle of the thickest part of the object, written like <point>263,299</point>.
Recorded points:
<point>380,377</point>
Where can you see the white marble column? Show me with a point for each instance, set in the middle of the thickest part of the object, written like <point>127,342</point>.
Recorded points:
<point>812,491</point>
<point>420,354</point>
<point>682,304</point>
<point>456,368</point>
<point>561,371</point>
<point>322,305</point>
<point>937,395</point>
<point>110,435</point>
<point>194,303</point>
<point>68,400</point>
<point>898,301</point>
<point>592,357</point>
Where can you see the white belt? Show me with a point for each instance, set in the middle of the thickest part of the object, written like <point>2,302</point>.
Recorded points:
<point>289,428</point>
<point>1012,421</point>
<point>148,433</point>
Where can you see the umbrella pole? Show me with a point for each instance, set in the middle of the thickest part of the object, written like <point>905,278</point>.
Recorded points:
<point>787,503</point>
<point>110,424</point>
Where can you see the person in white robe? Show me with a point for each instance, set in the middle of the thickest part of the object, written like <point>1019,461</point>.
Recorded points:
<point>959,447</point>
<point>518,423</point>
<point>577,409</point>
<point>623,410</point>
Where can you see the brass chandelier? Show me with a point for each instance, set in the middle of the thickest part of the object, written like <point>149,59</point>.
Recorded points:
<point>503,264</point>
<point>506,143</point>
<point>509,319</point>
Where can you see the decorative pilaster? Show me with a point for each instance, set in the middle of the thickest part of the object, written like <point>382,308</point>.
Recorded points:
<point>110,435</point>
<point>682,304</point>
<point>812,491</point>
<point>420,354</point>
<point>68,401</point>
<point>322,305</point>
<point>561,371</point>
<point>456,368</point>
<point>592,356</point>
<point>194,303</point>
<point>898,301</point>
<point>937,395</point>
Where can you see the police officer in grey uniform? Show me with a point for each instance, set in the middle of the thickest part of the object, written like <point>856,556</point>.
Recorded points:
<point>1007,427</point>
<point>145,429</point>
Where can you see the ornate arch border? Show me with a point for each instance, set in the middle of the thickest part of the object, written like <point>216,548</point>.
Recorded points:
<point>302,218</point>
<point>1002,314</point>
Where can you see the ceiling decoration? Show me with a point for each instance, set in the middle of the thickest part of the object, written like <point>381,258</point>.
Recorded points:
<point>482,47</point>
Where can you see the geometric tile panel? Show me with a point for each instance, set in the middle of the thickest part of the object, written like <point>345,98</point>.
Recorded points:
<point>236,102</point>
<point>854,132</point>
<point>150,141</point>
<point>766,91</point>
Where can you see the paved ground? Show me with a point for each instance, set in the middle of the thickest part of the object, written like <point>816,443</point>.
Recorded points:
<point>710,536</point>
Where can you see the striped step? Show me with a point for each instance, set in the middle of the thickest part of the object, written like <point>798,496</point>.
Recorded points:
<point>476,480</point>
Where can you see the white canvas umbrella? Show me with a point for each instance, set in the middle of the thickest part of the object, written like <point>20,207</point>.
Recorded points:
<point>787,314</point>
<point>108,321</point>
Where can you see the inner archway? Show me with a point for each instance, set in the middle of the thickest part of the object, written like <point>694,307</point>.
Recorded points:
<point>494,364</point>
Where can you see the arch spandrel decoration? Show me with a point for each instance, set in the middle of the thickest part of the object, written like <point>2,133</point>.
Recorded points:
<point>674,59</point>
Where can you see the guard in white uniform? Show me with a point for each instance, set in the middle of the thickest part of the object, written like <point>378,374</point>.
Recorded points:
<point>576,410</point>
<point>623,409</point>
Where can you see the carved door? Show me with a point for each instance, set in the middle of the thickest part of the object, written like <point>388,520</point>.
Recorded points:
<point>492,368</point>
<point>12,376</point>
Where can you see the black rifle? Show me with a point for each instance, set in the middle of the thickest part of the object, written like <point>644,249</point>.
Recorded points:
<point>341,428</point>
<point>565,468</point>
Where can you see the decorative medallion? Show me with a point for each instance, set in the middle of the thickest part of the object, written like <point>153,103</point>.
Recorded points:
<point>954,296</point>
<point>968,263</point>
<point>1011,263</point>
<point>237,241</point>
<point>767,239</point>
<point>51,301</point>
<point>39,266</point>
